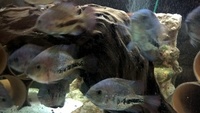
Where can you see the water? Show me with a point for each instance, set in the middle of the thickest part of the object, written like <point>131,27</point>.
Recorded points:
<point>108,44</point>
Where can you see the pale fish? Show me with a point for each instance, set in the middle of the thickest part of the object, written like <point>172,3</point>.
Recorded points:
<point>145,32</point>
<point>58,62</point>
<point>20,58</point>
<point>118,94</point>
<point>65,18</point>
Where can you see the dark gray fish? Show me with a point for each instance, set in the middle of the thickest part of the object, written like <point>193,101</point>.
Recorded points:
<point>20,58</point>
<point>122,95</point>
<point>145,30</point>
<point>58,62</point>
<point>5,99</point>
<point>192,23</point>
<point>53,95</point>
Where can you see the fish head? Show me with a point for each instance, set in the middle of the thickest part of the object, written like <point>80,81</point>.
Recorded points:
<point>192,31</point>
<point>105,93</point>
<point>38,72</point>
<point>20,58</point>
<point>38,68</point>
<point>5,99</point>
<point>99,97</point>
<point>144,19</point>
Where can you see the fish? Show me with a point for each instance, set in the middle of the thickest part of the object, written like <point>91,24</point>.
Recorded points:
<point>192,24</point>
<point>53,95</point>
<point>117,94</point>
<point>5,99</point>
<point>58,62</point>
<point>66,18</point>
<point>3,60</point>
<point>21,57</point>
<point>145,31</point>
<point>17,90</point>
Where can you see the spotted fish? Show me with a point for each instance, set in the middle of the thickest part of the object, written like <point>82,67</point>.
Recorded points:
<point>122,95</point>
<point>58,62</point>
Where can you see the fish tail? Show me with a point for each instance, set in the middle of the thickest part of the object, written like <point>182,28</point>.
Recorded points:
<point>90,63</point>
<point>89,18</point>
<point>152,103</point>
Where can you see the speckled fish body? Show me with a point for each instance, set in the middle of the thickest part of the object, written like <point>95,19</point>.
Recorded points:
<point>5,99</point>
<point>65,18</point>
<point>145,30</point>
<point>55,63</point>
<point>46,67</point>
<point>192,23</point>
<point>121,95</point>
<point>20,58</point>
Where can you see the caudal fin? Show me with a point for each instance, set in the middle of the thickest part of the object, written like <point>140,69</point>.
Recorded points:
<point>90,63</point>
<point>152,103</point>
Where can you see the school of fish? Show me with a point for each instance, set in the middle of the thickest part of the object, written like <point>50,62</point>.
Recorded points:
<point>57,66</point>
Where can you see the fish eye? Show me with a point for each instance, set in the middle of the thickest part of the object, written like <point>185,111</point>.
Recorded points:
<point>99,92</point>
<point>39,21</point>
<point>16,59</point>
<point>38,66</point>
<point>143,17</point>
<point>49,91</point>
<point>3,100</point>
<point>79,11</point>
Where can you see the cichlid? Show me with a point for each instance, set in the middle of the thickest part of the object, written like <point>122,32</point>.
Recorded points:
<point>122,95</point>
<point>5,99</point>
<point>65,18</point>
<point>53,95</point>
<point>20,58</point>
<point>192,23</point>
<point>145,30</point>
<point>57,62</point>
